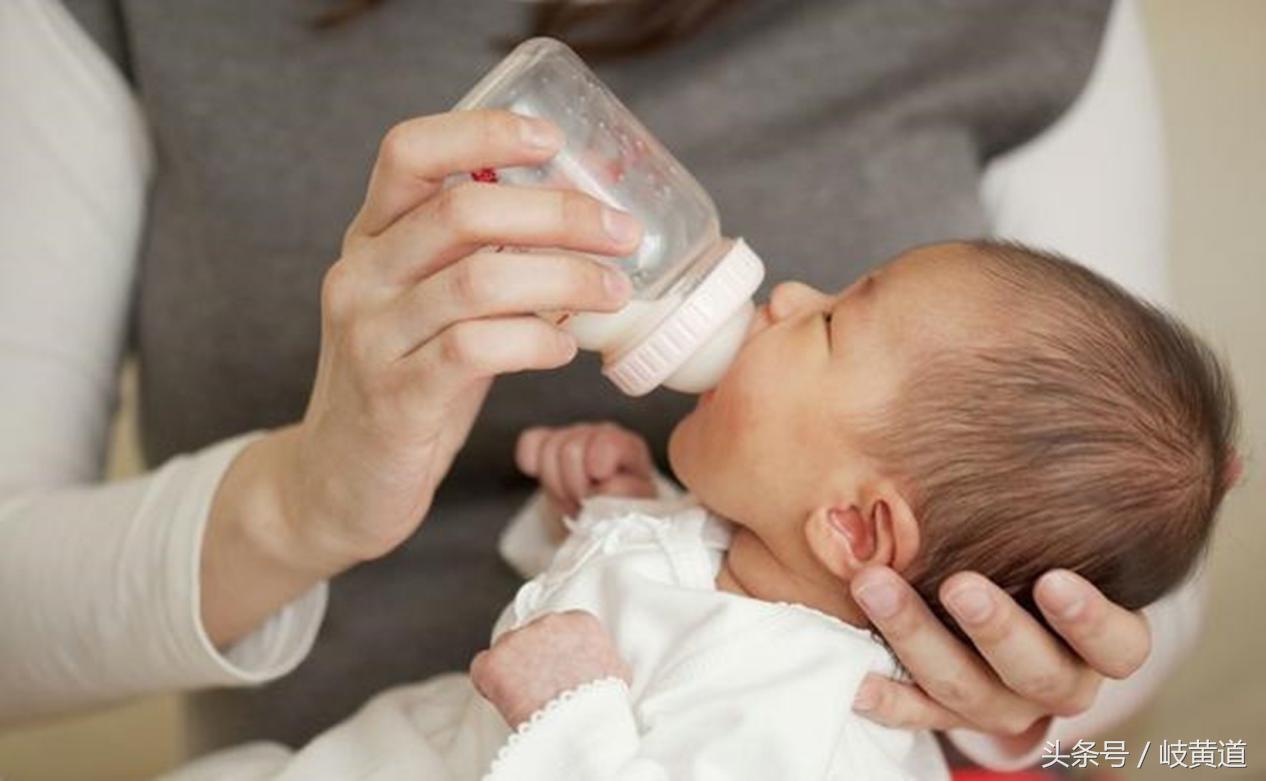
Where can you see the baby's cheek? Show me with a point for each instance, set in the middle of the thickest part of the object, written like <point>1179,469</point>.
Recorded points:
<point>736,403</point>
<point>718,431</point>
<point>679,443</point>
<point>748,413</point>
<point>746,429</point>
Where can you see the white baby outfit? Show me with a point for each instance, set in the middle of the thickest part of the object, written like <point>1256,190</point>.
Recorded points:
<point>723,686</point>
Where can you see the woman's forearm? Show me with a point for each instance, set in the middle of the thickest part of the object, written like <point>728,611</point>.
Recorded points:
<point>99,593</point>
<point>99,583</point>
<point>256,556</point>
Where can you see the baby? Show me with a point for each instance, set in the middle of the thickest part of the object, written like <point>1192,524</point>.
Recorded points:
<point>971,406</point>
<point>974,406</point>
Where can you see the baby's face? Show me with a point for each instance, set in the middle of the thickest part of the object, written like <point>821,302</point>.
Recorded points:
<point>779,435</point>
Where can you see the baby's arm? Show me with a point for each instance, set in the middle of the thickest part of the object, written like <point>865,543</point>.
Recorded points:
<point>563,687</point>
<point>528,667</point>
<point>572,464</point>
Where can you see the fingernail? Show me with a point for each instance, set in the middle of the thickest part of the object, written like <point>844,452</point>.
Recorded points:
<point>970,604</point>
<point>867,699</point>
<point>1063,595</point>
<point>619,225</point>
<point>879,599</point>
<point>538,134</point>
<point>617,284</point>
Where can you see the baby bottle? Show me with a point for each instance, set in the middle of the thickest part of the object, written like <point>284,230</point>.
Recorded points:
<point>692,287</point>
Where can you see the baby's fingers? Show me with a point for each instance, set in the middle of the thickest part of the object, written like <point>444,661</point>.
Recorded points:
<point>613,449</point>
<point>571,457</point>
<point>627,485</point>
<point>527,451</point>
<point>551,470</point>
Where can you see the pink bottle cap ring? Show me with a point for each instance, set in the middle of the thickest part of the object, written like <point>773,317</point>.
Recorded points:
<point>729,284</point>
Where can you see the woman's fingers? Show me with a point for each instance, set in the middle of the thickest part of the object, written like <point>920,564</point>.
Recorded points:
<point>489,284</point>
<point>444,367</point>
<point>1110,639</point>
<point>949,672</point>
<point>1023,654</point>
<point>463,218</point>
<point>902,706</point>
<point>1032,675</point>
<point>416,155</point>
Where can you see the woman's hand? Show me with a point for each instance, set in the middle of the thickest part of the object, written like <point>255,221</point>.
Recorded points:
<point>1026,675</point>
<point>585,459</point>
<point>418,315</point>
<point>529,666</point>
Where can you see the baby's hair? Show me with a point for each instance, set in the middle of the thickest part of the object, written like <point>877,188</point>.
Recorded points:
<point>1089,431</point>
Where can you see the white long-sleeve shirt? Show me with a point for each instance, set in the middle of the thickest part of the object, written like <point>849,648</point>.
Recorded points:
<point>99,583</point>
<point>722,686</point>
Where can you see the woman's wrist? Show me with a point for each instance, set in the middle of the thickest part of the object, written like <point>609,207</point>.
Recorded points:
<point>258,554</point>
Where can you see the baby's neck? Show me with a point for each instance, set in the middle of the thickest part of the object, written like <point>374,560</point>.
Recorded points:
<point>750,569</point>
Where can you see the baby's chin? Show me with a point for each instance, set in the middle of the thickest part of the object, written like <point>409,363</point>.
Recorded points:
<point>674,446</point>
<point>681,447</point>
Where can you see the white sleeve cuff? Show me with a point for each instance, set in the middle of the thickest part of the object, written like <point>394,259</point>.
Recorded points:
<point>526,543</point>
<point>586,733</point>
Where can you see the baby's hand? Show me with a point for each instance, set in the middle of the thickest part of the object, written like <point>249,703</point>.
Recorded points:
<point>586,459</point>
<point>529,666</point>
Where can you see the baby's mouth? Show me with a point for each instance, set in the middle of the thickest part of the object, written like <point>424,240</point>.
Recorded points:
<point>761,321</point>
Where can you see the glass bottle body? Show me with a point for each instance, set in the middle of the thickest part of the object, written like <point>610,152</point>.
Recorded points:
<point>610,155</point>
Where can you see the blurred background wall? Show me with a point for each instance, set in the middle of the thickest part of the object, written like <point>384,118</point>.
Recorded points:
<point>1210,59</point>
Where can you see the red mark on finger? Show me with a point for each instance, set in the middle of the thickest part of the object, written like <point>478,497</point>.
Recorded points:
<point>485,175</point>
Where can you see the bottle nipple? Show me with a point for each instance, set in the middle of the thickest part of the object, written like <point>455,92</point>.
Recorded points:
<point>705,367</point>
<point>693,345</point>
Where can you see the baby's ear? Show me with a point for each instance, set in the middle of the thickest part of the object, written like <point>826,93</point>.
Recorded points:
<point>879,528</point>
<point>899,532</point>
<point>839,538</point>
